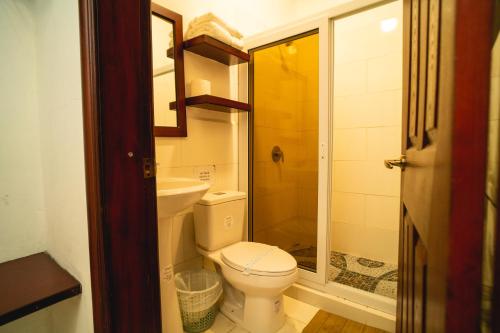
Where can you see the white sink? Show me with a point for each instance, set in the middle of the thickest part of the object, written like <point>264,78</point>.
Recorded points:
<point>173,195</point>
<point>177,194</point>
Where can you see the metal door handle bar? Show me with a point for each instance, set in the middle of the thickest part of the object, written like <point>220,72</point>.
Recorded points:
<point>400,163</point>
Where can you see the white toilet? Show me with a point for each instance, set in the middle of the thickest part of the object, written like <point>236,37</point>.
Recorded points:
<point>257,274</point>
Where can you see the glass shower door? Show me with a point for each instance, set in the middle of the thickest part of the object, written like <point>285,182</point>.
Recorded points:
<point>284,146</point>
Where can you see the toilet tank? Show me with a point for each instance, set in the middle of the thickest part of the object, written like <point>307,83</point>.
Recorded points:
<point>219,219</point>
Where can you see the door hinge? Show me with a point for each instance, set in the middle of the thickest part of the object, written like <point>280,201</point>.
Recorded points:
<point>149,167</point>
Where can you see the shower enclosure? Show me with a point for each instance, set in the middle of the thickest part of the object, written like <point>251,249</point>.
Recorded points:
<point>327,108</point>
<point>285,139</point>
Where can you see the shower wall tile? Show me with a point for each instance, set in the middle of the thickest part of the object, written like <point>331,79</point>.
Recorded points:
<point>348,208</point>
<point>353,78</point>
<point>373,243</point>
<point>382,212</point>
<point>368,177</point>
<point>368,110</point>
<point>274,178</point>
<point>381,74</point>
<point>287,140</point>
<point>383,143</point>
<point>367,120</point>
<point>308,204</point>
<point>349,144</point>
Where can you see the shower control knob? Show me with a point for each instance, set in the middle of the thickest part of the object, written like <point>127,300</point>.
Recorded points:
<point>277,154</point>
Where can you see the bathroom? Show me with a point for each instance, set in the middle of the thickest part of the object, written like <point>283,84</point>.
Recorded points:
<point>312,102</point>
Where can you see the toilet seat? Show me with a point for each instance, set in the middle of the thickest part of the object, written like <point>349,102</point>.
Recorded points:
<point>252,258</point>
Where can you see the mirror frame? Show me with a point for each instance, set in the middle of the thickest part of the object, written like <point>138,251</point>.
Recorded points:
<point>176,19</point>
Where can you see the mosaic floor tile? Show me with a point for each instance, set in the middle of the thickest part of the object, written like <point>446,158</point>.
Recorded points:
<point>366,274</point>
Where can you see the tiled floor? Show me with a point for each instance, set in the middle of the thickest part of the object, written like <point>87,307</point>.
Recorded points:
<point>362,273</point>
<point>365,274</point>
<point>298,314</point>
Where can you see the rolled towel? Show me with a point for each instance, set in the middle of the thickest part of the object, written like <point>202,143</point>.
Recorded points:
<point>210,17</point>
<point>214,30</point>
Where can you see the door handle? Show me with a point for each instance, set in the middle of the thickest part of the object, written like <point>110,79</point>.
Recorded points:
<point>400,163</point>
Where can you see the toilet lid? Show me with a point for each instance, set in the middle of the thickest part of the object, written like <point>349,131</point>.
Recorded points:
<point>259,259</point>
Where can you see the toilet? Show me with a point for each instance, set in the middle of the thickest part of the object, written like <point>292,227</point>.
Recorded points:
<point>255,274</point>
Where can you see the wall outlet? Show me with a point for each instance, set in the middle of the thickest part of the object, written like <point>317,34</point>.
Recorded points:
<point>205,173</point>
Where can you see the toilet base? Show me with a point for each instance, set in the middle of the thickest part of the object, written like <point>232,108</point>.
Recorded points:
<point>259,314</point>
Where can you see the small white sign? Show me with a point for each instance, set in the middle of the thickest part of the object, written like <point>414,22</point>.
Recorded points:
<point>205,173</point>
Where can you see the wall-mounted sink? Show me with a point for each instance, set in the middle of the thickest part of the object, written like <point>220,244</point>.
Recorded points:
<point>177,194</point>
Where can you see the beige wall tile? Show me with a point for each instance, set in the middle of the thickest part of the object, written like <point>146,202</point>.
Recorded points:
<point>350,79</point>
<point>348,208</point>
<point>372,243</point>
<point>266,138</point>
<point>168,152</point>
<point>226,177</point>
<point>382,212</point>
<point>209,142</point>
<point>368,110</point>
<point>383,143</point>
<point>348,238</point>
<point>382,181</point>
<point>382,245</point>
<point>495,97</point>
<point>384,73</point>
<point>349,144</point>
<point>350,176</point>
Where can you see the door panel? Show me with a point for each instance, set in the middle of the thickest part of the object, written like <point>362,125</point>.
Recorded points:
<point>445,113</point>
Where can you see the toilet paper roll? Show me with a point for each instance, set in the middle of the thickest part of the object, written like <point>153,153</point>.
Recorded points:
<point>200,87</point>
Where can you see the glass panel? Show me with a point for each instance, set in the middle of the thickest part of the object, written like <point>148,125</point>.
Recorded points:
<point>367,92</point>
<point>285,147</point>
<point>163,72</point>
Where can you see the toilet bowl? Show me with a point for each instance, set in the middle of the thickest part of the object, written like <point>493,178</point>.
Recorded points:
<point>255,274</point>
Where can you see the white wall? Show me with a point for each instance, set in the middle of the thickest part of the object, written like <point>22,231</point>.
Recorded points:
<point>249,17</point>
<point>367,130</point>
<point>22,208</point>
<point>45,89</point>
<point>60,102</point>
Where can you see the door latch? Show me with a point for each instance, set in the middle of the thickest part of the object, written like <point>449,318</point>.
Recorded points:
<point>149,167</point>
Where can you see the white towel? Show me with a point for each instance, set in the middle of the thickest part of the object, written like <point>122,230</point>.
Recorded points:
<point>214,30</point>
<point>210,17</point>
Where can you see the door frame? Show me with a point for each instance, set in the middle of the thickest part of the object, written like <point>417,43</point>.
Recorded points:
<point>118,135</point>
<point>301,30</point>
<point>324,23</point>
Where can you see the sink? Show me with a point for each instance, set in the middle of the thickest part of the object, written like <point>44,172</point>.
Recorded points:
<point>173,195</point>
<point>177,194</point>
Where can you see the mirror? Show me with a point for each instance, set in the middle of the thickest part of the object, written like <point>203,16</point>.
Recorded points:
<point>168,72</point>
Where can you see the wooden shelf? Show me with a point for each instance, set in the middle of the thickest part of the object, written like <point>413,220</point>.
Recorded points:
<point>212,48</point>
<point>214,103</point>
<point>32,283</point>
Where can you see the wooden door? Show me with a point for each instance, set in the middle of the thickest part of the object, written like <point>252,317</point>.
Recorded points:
<point>118,128</point>
<point>445,104</point>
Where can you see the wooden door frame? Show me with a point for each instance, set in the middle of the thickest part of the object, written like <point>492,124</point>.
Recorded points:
<point>127,297</point>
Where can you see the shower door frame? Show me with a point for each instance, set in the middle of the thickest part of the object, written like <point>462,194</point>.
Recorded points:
<point>316,279</point>
<point>323,22</point>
